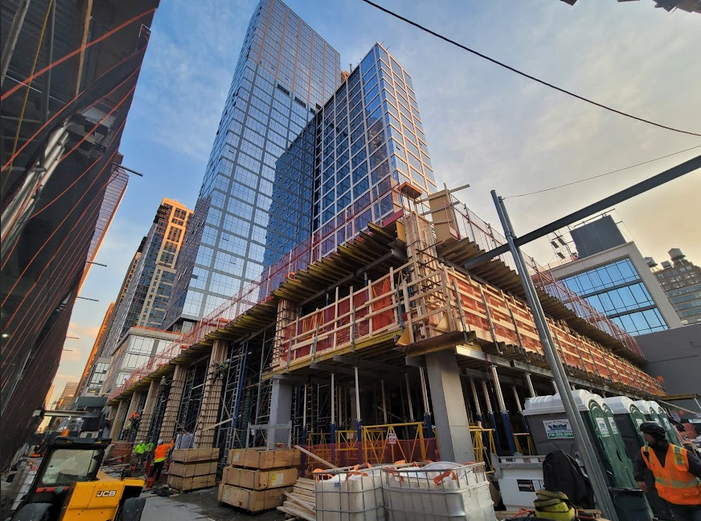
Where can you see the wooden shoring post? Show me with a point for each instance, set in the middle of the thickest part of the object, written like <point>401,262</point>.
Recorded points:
<point>459,303</point>
<point>408,397</point>
<point>559,345</point>
<point>336,321</point>
<point>446,299</point>
<point>489,319</point>
<point>316,339</point>
<point>407,308</point>
<point>516,329</point>
<point>351,304</point>
<point>368,285</point>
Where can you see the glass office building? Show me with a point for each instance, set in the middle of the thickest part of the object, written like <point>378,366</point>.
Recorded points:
<point>342,171</point>
<point>617,290</point>
<point>284,75</point>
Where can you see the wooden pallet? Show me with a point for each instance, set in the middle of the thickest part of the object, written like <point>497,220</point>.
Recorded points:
<point>300,503</point>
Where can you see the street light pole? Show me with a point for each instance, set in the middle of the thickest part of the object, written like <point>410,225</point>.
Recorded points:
<point>586,447</point>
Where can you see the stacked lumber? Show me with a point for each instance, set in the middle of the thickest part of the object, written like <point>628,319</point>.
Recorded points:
<point>193,469</point>
<point>300,503</point>
<point>257,480</point>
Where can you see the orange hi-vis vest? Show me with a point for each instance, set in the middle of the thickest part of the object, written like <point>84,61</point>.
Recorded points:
<point>161,452</point>
<point>674,482</point>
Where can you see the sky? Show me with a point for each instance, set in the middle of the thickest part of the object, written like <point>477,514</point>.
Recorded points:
<point>485,126</point>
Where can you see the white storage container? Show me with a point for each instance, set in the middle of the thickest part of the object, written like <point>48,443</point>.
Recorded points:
<point>438,491</point>
<point>519,477</point>
<point>350,494</point>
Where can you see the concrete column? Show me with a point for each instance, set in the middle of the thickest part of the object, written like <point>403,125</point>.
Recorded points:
<point>175,396</point>
<point>118,424</point>
<point>287,312</point>
<point>209,412</point>
<point>147,413</point>
<point>449,410</point>
<point>280,411</point>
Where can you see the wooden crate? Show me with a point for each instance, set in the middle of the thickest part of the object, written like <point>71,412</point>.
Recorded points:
<point>191,470</point>
<point>264,459</point>
<point>252,500</point>
<point>195,483</point>
<point>259,479</point>
<point>195,455</point>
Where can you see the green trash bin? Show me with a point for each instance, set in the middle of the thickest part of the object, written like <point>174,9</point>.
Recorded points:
<point>630,504</point>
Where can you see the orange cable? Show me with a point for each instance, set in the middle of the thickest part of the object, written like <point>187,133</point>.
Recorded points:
<point>68,104</point>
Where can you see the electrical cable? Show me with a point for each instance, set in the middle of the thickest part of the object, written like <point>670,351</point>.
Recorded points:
<point>56,114</point>
<point>84,229</point>
<point>525,75</point>
<point>58,227</point>
<point>601,175</point>
<point>77,51</point>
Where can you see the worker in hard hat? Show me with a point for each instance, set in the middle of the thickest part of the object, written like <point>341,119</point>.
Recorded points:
<point>159,458</point>
<point>677,472</point>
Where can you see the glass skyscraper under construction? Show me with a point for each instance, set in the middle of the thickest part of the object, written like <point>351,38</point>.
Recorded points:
<point>342,171</point>
<point>284,75</point>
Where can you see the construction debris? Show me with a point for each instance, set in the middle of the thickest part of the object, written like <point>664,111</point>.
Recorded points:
<point>300,503</point>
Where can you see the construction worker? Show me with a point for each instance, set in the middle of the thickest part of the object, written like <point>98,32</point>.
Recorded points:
<point>139,451</point>
<point>677,472</point>
<point>159,459</point>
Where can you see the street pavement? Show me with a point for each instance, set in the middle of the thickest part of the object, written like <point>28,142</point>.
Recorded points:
<point>200,505</point>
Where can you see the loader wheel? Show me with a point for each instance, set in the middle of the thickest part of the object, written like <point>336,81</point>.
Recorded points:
<point>33,512</point>
<point>131,509</point>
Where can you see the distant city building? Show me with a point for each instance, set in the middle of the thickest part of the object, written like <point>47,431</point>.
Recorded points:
<point>285,74</point>
<point>114,193</point>
<point>65,401</point>
<point>681,281</point>
<point>134,349</point>
<point>97,364</point>
<point>612,275</point>
<point>149,279</point>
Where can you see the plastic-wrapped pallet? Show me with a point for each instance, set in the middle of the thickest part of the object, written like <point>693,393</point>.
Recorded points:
<point>349,494</point>
<point>437,492</point>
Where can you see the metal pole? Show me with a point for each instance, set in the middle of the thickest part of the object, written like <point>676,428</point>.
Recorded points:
<point>518,399</point>
<point>587,450</point>
<point>15,28</point>
<point>333,418</point>
<point>505,418</point>
<point>531,389</point>
<point>408,397</point>
<point>475,397</point>
<point>648,184</point>
<point>384,402</point>
<point>46,109</point>
<point>358,418</point>
<point>428,421</point>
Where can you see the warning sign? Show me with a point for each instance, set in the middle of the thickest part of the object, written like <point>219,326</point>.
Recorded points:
<point>392,439</point>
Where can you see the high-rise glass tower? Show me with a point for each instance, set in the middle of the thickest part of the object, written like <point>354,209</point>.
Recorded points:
<point>343,170</point>
<point>284,75</point>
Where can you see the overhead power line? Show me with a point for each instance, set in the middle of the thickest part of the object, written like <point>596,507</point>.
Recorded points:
<point>601,175</point>
<point>525,75</point>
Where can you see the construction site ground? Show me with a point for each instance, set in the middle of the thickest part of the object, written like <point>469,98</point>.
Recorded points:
<point>199,505</point>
